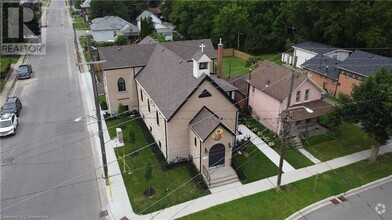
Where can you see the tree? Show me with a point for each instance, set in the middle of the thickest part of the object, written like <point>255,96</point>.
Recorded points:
<point>371,104</point>
<point>121,40</point>
<point>231,20</point>
<point>148,176</point>
<point>108,8</point>
<point>147,27</point>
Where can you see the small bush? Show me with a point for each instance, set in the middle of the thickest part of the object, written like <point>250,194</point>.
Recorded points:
<point>104,105</point>
<point>121,40</point>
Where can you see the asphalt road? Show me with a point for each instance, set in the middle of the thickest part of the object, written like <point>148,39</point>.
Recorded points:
<point>50,149</point>
<point>375,203</point>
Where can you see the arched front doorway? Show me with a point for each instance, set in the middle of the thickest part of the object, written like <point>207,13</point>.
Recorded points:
<point>216,155</point>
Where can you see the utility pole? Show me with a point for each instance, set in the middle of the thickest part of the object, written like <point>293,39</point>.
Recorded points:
<point>286,131</point>
<point>97,110</point>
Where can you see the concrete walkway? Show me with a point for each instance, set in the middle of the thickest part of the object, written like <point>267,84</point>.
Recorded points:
<point>263,147</point>
<point>308,155</point>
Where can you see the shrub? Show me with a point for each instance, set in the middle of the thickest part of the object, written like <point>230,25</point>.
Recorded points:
<point>121,40</point>
<point>104,105</point>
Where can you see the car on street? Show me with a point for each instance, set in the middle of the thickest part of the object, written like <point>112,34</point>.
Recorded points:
<point>12,105</point>
<point>24,71</point>
<point>8,124</point>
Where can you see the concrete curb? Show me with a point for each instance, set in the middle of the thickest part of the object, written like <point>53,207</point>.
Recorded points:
<point>322,203</point>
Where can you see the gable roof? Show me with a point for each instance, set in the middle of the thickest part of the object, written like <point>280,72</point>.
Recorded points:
<point>125,56</point>
<point>226,86</point>
<point>315,47</point>
<point>148,40</point>
<point>276,77</point>
<point>239,82</point>
<point>205,122</point>
<point>147,14</point>
<point>320,63</point>
<point>168,80</point>
<point>186,49</point>
<point>364,63</point>
<point>85,4</point>
<point>111,23</point>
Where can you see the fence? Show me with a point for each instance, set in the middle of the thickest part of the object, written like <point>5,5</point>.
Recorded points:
<point>231,52</point>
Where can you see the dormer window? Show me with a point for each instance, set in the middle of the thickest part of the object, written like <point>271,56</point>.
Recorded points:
<point>203,66</point>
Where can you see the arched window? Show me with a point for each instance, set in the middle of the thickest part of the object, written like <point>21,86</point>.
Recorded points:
<point>121,85</point>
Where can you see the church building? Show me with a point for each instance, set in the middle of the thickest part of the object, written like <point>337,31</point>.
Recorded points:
<point>188,109</point>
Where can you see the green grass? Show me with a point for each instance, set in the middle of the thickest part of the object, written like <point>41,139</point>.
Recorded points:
<point>101,98</point>
<point>280,205</point>
<point>256,166</point>
<point>234,66</point>
<point>292,156</point>
<point>6,61</point>
<point>163,182</point>
<point>350,139</point>
<point>79,23</point>
<point>273,57</point>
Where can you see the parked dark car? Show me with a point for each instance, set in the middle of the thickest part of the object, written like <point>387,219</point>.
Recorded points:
<point>12,105</point>
<point>24,71</point>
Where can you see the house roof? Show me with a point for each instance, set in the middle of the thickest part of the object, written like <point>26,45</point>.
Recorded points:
<point>238,82</point>
<point>125,56</point>
<point>364,63</point>
<point>85,4</point>
<point>155,11</point>
<point>186,49</point>
<point>274,80</point>
<point>148,40</point>
<point>168,80</point>
<point>111,23</point>
<point>205,122</point>
<point>147,14</point>
<point>319,108</point>
<point>314,47</point>
<point>226,86</point>
<point>320,63</point>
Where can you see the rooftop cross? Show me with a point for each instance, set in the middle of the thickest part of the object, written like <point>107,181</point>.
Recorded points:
<point>202,46</point>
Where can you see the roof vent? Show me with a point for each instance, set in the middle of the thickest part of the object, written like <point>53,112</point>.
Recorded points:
<point>163,49</point>
<point>119,48</point>
<point>180,61</point>
<point>370,56</point>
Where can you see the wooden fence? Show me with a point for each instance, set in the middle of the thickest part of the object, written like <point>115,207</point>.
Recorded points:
<point>231,52</point>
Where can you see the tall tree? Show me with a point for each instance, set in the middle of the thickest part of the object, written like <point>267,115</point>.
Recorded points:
<point>147,27</point>
<point>371,106</point>
<point>108,8</point>
<point>229,23</point>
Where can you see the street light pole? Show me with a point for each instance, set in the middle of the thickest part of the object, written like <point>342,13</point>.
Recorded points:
<point>286,122</point>
<point>97,110</point>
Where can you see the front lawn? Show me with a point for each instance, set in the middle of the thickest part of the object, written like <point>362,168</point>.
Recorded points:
<point>254,164</point>
<point>292,156</point>
<point>280,205</point>
<point>164,182</point>
<point>350,139</point>
<point>6,62</point>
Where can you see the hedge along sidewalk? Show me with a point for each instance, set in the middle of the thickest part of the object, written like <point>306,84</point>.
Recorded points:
<point>11,80</point>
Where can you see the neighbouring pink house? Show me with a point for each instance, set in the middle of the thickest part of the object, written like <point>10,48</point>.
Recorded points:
<point>268,89</point>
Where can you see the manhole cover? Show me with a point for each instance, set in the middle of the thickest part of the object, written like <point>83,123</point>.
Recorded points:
<point>8,161</point>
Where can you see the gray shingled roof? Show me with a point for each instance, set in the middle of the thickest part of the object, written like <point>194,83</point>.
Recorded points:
<point>317,48</point>
<point>239,82</point>
<point>186,49</point>
<point>364,63</point>
<point>125,56</point>
<point>111,23</point>
<point>320,63</point>
<point>197,55</point>
<point>278,78</point>
<point>204,123</point>
<point>168,80</point>
<point>319,108</point>
<point>226,86</point>
<point>148,40</point>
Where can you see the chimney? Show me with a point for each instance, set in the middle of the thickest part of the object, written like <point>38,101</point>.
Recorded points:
<point>220,58</point>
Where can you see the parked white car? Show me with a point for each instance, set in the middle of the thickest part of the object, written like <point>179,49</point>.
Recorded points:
<point>8,124</point>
